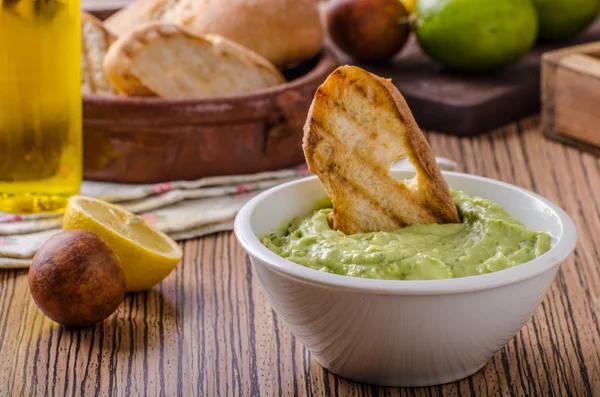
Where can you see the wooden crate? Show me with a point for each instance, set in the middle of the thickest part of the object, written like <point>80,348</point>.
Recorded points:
<point>571,96</point>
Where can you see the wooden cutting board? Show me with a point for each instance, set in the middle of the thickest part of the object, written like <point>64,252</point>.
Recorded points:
<point>467,105</point>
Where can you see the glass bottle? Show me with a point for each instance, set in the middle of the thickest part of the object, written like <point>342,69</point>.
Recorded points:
<point>40,104</point>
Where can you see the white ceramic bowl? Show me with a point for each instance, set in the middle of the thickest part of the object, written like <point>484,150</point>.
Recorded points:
<point>403,333</point>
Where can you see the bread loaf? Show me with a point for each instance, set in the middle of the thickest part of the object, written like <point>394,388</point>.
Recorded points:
<point>95,41</point>
<point>166,60</point>
<point>283,31</point>
<point>135,15</point>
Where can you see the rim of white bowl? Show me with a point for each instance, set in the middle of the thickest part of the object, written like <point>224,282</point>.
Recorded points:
<point>559,251</point>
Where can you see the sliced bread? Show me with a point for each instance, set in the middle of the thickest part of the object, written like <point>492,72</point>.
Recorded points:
<point>95,41</point>
<point>357,126</point>
<point>166,60</point>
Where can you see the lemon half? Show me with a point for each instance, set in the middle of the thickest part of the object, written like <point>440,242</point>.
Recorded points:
<point>147,254</point>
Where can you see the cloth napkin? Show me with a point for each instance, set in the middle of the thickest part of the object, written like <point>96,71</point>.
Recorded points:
<point>182,209</point>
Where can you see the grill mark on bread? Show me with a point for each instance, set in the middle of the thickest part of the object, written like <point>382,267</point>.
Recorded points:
<point>334,170</point>
<point>358,125</point>
<point>359,190</point>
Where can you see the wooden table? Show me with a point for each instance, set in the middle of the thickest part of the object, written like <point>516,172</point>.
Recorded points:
<point>207,329</point>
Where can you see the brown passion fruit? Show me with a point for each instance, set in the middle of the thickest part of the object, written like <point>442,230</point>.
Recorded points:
<point>368,30</point>
<point>76,279</point>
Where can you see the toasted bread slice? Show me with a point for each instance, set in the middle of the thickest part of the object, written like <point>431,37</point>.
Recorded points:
<point>173,63</point>
<point>357,126</point>
<point>95,41</point>
<point>134,15</point>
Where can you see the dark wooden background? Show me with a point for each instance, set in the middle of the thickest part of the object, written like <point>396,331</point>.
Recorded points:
<point>468,104</point>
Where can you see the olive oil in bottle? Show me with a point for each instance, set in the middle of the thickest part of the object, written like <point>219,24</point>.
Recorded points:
<point>40,104</point>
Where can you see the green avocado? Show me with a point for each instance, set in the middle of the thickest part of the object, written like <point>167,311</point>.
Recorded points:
<point>487,240</point>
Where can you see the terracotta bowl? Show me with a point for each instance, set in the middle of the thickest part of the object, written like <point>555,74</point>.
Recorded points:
<point>149,140</point>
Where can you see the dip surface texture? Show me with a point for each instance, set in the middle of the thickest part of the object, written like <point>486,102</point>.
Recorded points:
<point>487,240</point>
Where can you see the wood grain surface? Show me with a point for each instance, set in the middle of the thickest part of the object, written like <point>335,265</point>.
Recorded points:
<point>207,330</point>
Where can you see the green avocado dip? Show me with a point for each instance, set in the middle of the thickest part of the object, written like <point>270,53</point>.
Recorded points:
<point>487,240</point>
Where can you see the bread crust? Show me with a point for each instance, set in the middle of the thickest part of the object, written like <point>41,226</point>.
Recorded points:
<point>282,31</point>
<point>357,126</point>
<point>135,15</point>
<point>250,56</point>
<point>95,41</point>
<point>118,63</point>
<point>132,77</point>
